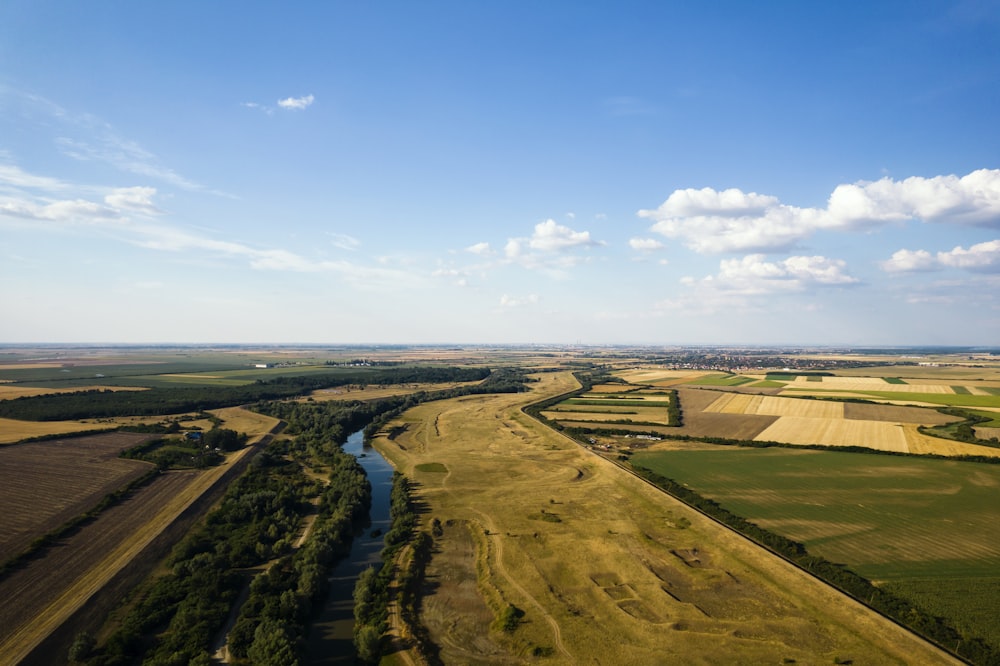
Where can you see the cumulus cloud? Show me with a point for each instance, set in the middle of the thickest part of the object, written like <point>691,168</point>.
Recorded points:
<point>981,257</point>
<point>645,244</point>
<point>550,236</point>
<point>754,276</point>
<point>296,103</point>
<point>711,221</point>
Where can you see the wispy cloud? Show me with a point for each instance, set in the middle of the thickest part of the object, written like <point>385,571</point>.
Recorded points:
<point>711,221</point>
<point>296,103</point>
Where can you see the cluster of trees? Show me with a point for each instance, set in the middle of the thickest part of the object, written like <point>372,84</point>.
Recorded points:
<point>934,628</point>
<point>272,622</point>
<point>176,616</point>
<point>174,452</point>
<point>159,401</point>
<point>371,592</point>
<point>964,431</point>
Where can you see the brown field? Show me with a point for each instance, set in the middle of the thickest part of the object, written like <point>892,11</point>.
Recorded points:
<point>12,430</point>
<point>44,593</point>
<point>44,484</point>
<point>605,414</point>
<point>649,580</point>
<point>896,414</point>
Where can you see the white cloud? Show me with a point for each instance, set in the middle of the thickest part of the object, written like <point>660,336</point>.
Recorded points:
<point>133,199</point>
<point>981,257</point>
<point>711,221</point>
<point>66,211</point>
<point>549,236</point>
<point>753,276</point>
<point>908,261</point>
<point>645,244</point>
<point>345,242</point>
<point>482,249</point>
<point>512,302</point>
<point>296,103</point>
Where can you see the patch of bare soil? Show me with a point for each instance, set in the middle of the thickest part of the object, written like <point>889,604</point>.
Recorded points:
<point>454,613</point>
<point>896,414</point>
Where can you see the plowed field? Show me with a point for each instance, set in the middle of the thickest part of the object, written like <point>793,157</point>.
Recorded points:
<point>44,484</point>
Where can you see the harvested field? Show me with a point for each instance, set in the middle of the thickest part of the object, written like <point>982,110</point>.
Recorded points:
<point>643,585</point>
<point>245,421</point>
<point>765,405</point>
<point>896,414</point>
<point>45,484</point>
<point>9,392</point>
<point>12,430</point>
<point>876,435</point>
<point>866,384</point>
<point>48,590</point>
<point>659,377</point>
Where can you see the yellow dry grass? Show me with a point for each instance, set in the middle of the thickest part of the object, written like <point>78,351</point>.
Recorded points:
<point>868,384</point>
<point>878,435</point>
<point>613,574</point>
<point>24,366</point>
<point>245,421</point>
<point>918,442</point>
<point>12,430</point>
<point>658,376</point>
<point>10,392</point>
<point>768,405</point>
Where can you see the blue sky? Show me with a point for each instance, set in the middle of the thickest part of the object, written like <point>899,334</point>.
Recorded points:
<point>500,172</point>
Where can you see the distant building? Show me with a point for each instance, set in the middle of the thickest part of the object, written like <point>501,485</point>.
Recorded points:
<point>262,365</point>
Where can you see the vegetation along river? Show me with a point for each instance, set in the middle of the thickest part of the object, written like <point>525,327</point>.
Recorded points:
<point>331,638</point>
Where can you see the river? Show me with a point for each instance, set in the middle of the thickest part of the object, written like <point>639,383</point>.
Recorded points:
<point>331,636</point>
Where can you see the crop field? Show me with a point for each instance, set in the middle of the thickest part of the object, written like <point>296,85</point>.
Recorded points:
<point>13,430</point>
<point>722,380</point>
<point>766,405</point>
<point>877,435</point>
<point>650,581</point>
<point>922,525</point>
<point>659,377</point>
<point>11,391</point>
<point>44,484</point>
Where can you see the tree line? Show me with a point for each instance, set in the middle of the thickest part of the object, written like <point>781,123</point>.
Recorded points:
<point>98,403</point>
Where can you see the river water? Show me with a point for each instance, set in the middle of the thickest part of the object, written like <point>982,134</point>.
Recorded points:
<point>331,636</point>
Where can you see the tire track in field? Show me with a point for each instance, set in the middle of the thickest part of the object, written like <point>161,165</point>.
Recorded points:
<point>502,570</point>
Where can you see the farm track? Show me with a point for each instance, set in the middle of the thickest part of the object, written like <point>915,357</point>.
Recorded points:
<point>50,589</point>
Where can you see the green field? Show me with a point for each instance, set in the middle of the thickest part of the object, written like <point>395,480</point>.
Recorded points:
<point>721,380</point>
<point>921,526</point>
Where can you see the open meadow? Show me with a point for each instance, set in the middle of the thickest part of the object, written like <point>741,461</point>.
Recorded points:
<point>924,527</point>
<point>648,579</point>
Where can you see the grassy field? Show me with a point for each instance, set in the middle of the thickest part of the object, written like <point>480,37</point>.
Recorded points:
<point>649,580</point>
<point>923,525</point>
